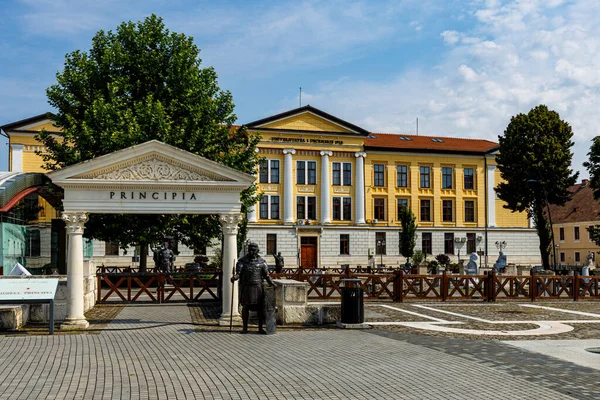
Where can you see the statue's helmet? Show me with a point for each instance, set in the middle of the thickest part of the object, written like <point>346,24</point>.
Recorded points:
<point>252,247</point>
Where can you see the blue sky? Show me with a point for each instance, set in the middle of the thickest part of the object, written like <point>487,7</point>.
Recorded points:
<point>462,67</point>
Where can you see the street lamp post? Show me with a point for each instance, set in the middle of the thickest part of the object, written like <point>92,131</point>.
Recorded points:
<point>549,217</point>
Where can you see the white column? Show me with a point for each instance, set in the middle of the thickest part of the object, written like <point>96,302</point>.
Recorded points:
<point>251,214</point>
<point>288,187</point>
<point>325,188</point>
<point>16,158</point>
<point>75,319</point>
<point>230,308</point>
<point>359,188</point>
<point>491,200</point>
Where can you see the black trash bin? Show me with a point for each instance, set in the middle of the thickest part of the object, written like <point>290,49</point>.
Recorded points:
<point>353,310</point>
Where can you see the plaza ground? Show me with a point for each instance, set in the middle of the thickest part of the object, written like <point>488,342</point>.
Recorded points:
<point>176,351</point>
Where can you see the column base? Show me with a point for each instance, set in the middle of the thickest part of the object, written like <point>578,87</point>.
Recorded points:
<point>236,320</point>
<point>74,324</point>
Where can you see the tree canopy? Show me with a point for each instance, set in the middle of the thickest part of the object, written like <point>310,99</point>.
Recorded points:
<point>139,83</point>
<point>535,165</point>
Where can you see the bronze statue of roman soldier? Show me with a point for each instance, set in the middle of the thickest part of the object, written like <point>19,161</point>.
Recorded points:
<point>252,271</point>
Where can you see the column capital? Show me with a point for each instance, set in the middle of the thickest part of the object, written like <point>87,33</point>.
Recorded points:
<point>16,146</point>
<point>359,154</point>
<point>326,153</point>
<point>75,221</point>
<point>230,222</point>
<point>289,151</point>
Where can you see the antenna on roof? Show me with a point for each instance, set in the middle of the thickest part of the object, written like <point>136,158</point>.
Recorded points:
<point>300,100</point>
<point>417,126</point>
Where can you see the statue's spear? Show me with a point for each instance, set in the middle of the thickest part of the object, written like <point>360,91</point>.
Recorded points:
<point>232,292</point>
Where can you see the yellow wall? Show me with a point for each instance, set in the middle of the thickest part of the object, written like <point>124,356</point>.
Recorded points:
<point>414,193</point>
<point>504,216</point>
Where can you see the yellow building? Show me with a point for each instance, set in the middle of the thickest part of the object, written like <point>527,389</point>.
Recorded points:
<point>336,190</point>
<point>332,191</point>
<point>570,223</point>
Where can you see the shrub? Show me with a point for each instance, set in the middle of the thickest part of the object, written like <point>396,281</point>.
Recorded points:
<point>443,259</point>
<point>418,257</point>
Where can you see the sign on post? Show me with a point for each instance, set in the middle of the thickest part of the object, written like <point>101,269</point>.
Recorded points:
<point>30,291</point>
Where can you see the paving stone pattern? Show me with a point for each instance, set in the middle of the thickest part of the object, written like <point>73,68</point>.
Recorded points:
<point>156,352</point>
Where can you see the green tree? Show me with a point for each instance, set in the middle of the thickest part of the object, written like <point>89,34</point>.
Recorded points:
<point>534,162</point>
<point>136,84</point>
<point>593,167</point>
<point>408,232</point>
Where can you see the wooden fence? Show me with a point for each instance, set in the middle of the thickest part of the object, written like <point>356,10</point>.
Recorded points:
<point>115,284</point>
<point>400,286</point>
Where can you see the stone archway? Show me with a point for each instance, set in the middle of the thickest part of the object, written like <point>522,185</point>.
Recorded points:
<point>149,178</point>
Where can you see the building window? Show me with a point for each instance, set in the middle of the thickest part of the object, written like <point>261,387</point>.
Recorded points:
<point>379,209</point>
<point>88,248</point>
<point>306,207</point>
<point>306,172</point>
<point>300,207</point>
<point>469,211</point>
<point>577,257</point>
<point>342,208</point>
<point>402,175</point>
<point>425,210</point>
<point>269,171</point>
<point>447,211</point>
<point>576,233</point>
<point>562,257</point>
<point>449,243</point>
<point>311,207</point>
<point>401,203</point>
<point>379,178</point>
<point>111,249</point>
<point>426,243</point>
<point>342,173</point>
<point>590,233</point>
<point>561,233</point>
<point>471,243</point>
<point>345,244</point>
<point>446,178</point>
<point>347,174</point>
<point>469,179</point>
<point>380,244</point>
<point>425,175</point>
<point>269,207</point>
<point>33,247</point>
<point>271,243</point>
<point>300,172</point>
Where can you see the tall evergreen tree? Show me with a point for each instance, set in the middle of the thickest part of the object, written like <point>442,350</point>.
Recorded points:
<point>535,166</point>
<point>408,232</point>
<point>593,167</point>
<point>136,84</point>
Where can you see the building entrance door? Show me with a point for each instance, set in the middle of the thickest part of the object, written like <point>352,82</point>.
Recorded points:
<point>308,252</point>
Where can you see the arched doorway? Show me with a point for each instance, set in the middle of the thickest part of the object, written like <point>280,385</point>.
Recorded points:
<point>149,178</point>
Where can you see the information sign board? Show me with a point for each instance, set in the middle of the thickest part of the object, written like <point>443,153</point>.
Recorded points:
<point>28,289</point>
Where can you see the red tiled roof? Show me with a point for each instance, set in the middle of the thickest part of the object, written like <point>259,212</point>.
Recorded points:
<point>383,141</point>
<point>582,206</point>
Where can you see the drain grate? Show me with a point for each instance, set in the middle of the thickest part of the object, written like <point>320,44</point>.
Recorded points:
<point>595,350</point>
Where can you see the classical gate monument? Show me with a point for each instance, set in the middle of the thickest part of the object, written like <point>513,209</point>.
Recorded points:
<point>149,178</point>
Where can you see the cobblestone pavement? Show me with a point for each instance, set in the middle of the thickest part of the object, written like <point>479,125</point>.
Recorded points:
<point>156,352</point>
<point>470,315</point>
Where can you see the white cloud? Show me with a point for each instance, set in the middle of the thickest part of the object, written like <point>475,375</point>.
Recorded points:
<point>518,54</point>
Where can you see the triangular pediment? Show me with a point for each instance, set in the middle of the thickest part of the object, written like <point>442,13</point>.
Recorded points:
<point>307,119</point>
<point>31,125</point>
<point>149,162</point>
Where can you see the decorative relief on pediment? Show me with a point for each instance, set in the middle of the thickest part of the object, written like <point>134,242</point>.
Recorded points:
<point>151,168</point>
